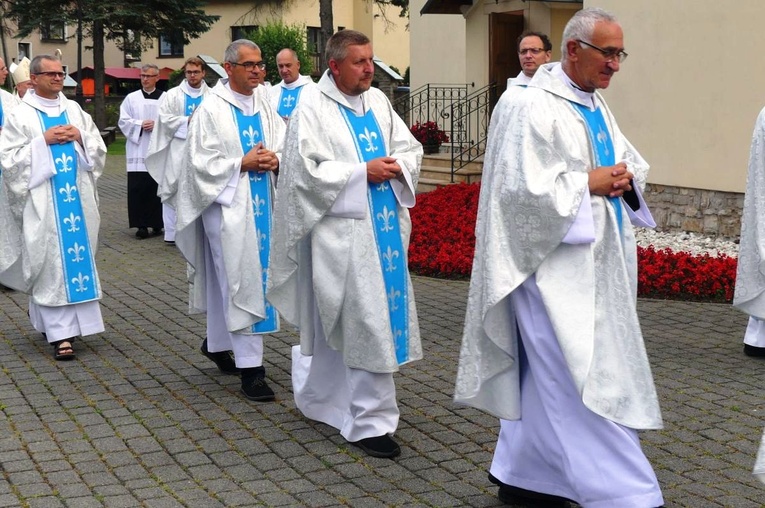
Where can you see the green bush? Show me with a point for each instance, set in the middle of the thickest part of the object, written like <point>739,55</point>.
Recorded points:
<point>274,37</point>
<point>112,111</point>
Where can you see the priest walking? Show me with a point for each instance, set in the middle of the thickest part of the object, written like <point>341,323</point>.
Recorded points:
<point>286,94</point>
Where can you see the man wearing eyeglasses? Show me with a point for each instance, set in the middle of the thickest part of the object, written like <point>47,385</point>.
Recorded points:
<point>552,343</point>
<point>339,263</point>
<point>286,94</point>
<point>52,154</point>
<point>138,113</point>
<point>7,100</point>
<point>534,50</point>
<point>168,142</point>
<point>223,205</point>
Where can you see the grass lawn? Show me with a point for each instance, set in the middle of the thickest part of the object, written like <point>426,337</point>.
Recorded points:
<point>117,147</point>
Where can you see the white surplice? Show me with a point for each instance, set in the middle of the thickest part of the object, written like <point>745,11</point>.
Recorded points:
<point>30,260</point>
<point>538,225</point>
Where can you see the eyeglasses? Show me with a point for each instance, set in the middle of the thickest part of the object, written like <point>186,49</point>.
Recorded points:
<point>533,51</point>
<point>250,66</point>
<point>193,73</point>
<point>51,74</point>
<point>611,54</point>
<point>147,76</point>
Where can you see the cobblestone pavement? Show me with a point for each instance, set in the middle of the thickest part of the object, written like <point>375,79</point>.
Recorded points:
<point>142,419</point>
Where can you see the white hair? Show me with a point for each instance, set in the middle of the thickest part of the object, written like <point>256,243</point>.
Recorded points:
<point>582,25</point>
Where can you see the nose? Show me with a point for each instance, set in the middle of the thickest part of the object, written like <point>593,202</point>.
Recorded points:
<point>614,64</point>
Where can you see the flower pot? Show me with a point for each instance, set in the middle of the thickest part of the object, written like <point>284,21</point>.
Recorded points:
<point>430,148</point>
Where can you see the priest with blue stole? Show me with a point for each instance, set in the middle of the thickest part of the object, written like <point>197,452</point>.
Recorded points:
<point>285,95</point>
<point>224,219</point>
<point>339,252</point>
<point>52,154</point>
<point>552,344</point>
<point>7,100</point>
<point>168,140</point>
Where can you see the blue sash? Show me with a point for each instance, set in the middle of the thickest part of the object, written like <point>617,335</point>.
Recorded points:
<point>370,144</point>
<point>288,100</point>
<point>602,146</point>
<point>192,103</point>
<point>77,257</point>
<point>250,134</point>
<point>2,116</point>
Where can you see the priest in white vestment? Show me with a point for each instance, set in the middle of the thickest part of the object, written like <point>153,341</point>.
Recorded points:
<point>552,343</point>
<point>285,95</point>
<point>21,78</point>
<point>168,141</point>
<point>138,113</point>
<point>52,154</point>
<point>7,100</point>
<point>339,263</point>
<point>224,217</point>
<point>534,50</point>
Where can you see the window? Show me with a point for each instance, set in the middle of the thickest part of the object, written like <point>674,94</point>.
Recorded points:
<point>25,50</point>
<point>53,31</point>
<point>171,45</point>
<point>242,32</point>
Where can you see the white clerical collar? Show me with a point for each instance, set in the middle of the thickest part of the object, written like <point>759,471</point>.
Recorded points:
<point>355,101</point>
<point>246,102</point>
<point>149,92</point>
<point>191,91</point>
<point>586,98</point>
<point>521,79</point>
<point>51,107</point>
<point>293,85</point>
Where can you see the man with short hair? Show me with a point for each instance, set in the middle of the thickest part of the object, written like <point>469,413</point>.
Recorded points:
<point>168,142</point>
<point>7,100</point>
<point>552,343</point>
<point>286,94</point>
<point>339,260</point>
<point>22,78</point>
<point>138,113</point>
<point>223,205</point>
<point>52,154</point>
<point>534,50</point>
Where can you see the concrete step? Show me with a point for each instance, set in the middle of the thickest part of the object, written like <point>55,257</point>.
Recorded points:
<point>444,174</point>
<point>444,160</point>
<point>429,184</point>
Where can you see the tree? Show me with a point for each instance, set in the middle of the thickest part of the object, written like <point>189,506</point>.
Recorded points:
<point>274,37</point>
<point>113,20</point>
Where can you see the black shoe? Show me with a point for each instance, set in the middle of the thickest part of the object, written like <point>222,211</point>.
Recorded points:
<point>383,446</point>
<point>222,359</point>
<point>156,231</point>
<point>254,385</point>
<point>754,350</point>
<point>142,233</point>
<point>516,495</point>
<point>170,243</point>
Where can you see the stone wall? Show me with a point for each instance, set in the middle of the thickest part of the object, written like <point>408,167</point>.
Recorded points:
<point>707,212</point>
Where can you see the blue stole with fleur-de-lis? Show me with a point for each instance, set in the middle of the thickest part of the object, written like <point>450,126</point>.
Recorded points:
<point>602,147</point>
<point>76,254</point>
<point>250,134</point>
<point>370,144</point>
<point>2,115</point>
<point>288,100</point>
<point>192,103</point>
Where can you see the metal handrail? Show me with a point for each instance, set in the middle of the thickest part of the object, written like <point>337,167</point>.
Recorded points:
<point>430,103</point>
<point>469,130</point>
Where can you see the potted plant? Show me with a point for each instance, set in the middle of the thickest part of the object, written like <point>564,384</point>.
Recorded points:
<point>429,135</point>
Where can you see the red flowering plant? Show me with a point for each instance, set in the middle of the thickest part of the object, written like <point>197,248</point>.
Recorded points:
<point>443,242</point>
<point>429,134</point>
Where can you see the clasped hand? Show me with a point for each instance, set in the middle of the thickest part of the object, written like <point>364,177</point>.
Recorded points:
<point>382,169</point>
<point>62,134</point>
<point>260,159</point>
<point>611,181</point>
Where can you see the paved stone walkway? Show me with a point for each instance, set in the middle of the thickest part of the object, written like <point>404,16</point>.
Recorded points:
<point>142,419</point>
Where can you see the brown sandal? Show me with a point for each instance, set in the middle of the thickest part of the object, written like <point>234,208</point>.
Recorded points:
<point>62,352</point>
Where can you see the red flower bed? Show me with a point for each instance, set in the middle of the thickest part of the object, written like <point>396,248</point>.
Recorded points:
<point>443,242</point>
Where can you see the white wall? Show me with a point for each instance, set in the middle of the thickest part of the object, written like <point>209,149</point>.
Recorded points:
<point>437,47</point>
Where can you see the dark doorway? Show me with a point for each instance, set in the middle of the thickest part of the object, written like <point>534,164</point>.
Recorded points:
<point>504,29</point>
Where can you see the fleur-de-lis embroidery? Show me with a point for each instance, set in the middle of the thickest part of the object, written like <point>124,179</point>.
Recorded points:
<point>69,191</point>
<point>255,177</point>
<point>64,161</point>
<point>382,187</point>
<point>77,250</point>
<point>602,137</point>
<point>386,216</point>
<point>72,220</point>
<point>390,257</point>
<point>396,335</point>
<point>80,280</point>
<point>257,205</point>
<point>190,108</point>
<point>393,296</point>
<point>288,101</point>
<point>368,137</point>
<point>251,134</point>
<point>262,241</point>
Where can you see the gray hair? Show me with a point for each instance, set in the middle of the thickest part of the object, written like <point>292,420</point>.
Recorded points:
<point>35,66</point>
<point>582,25</point>
<point>337,45</point>
<point>231,54</point>
<point>146,67</point>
